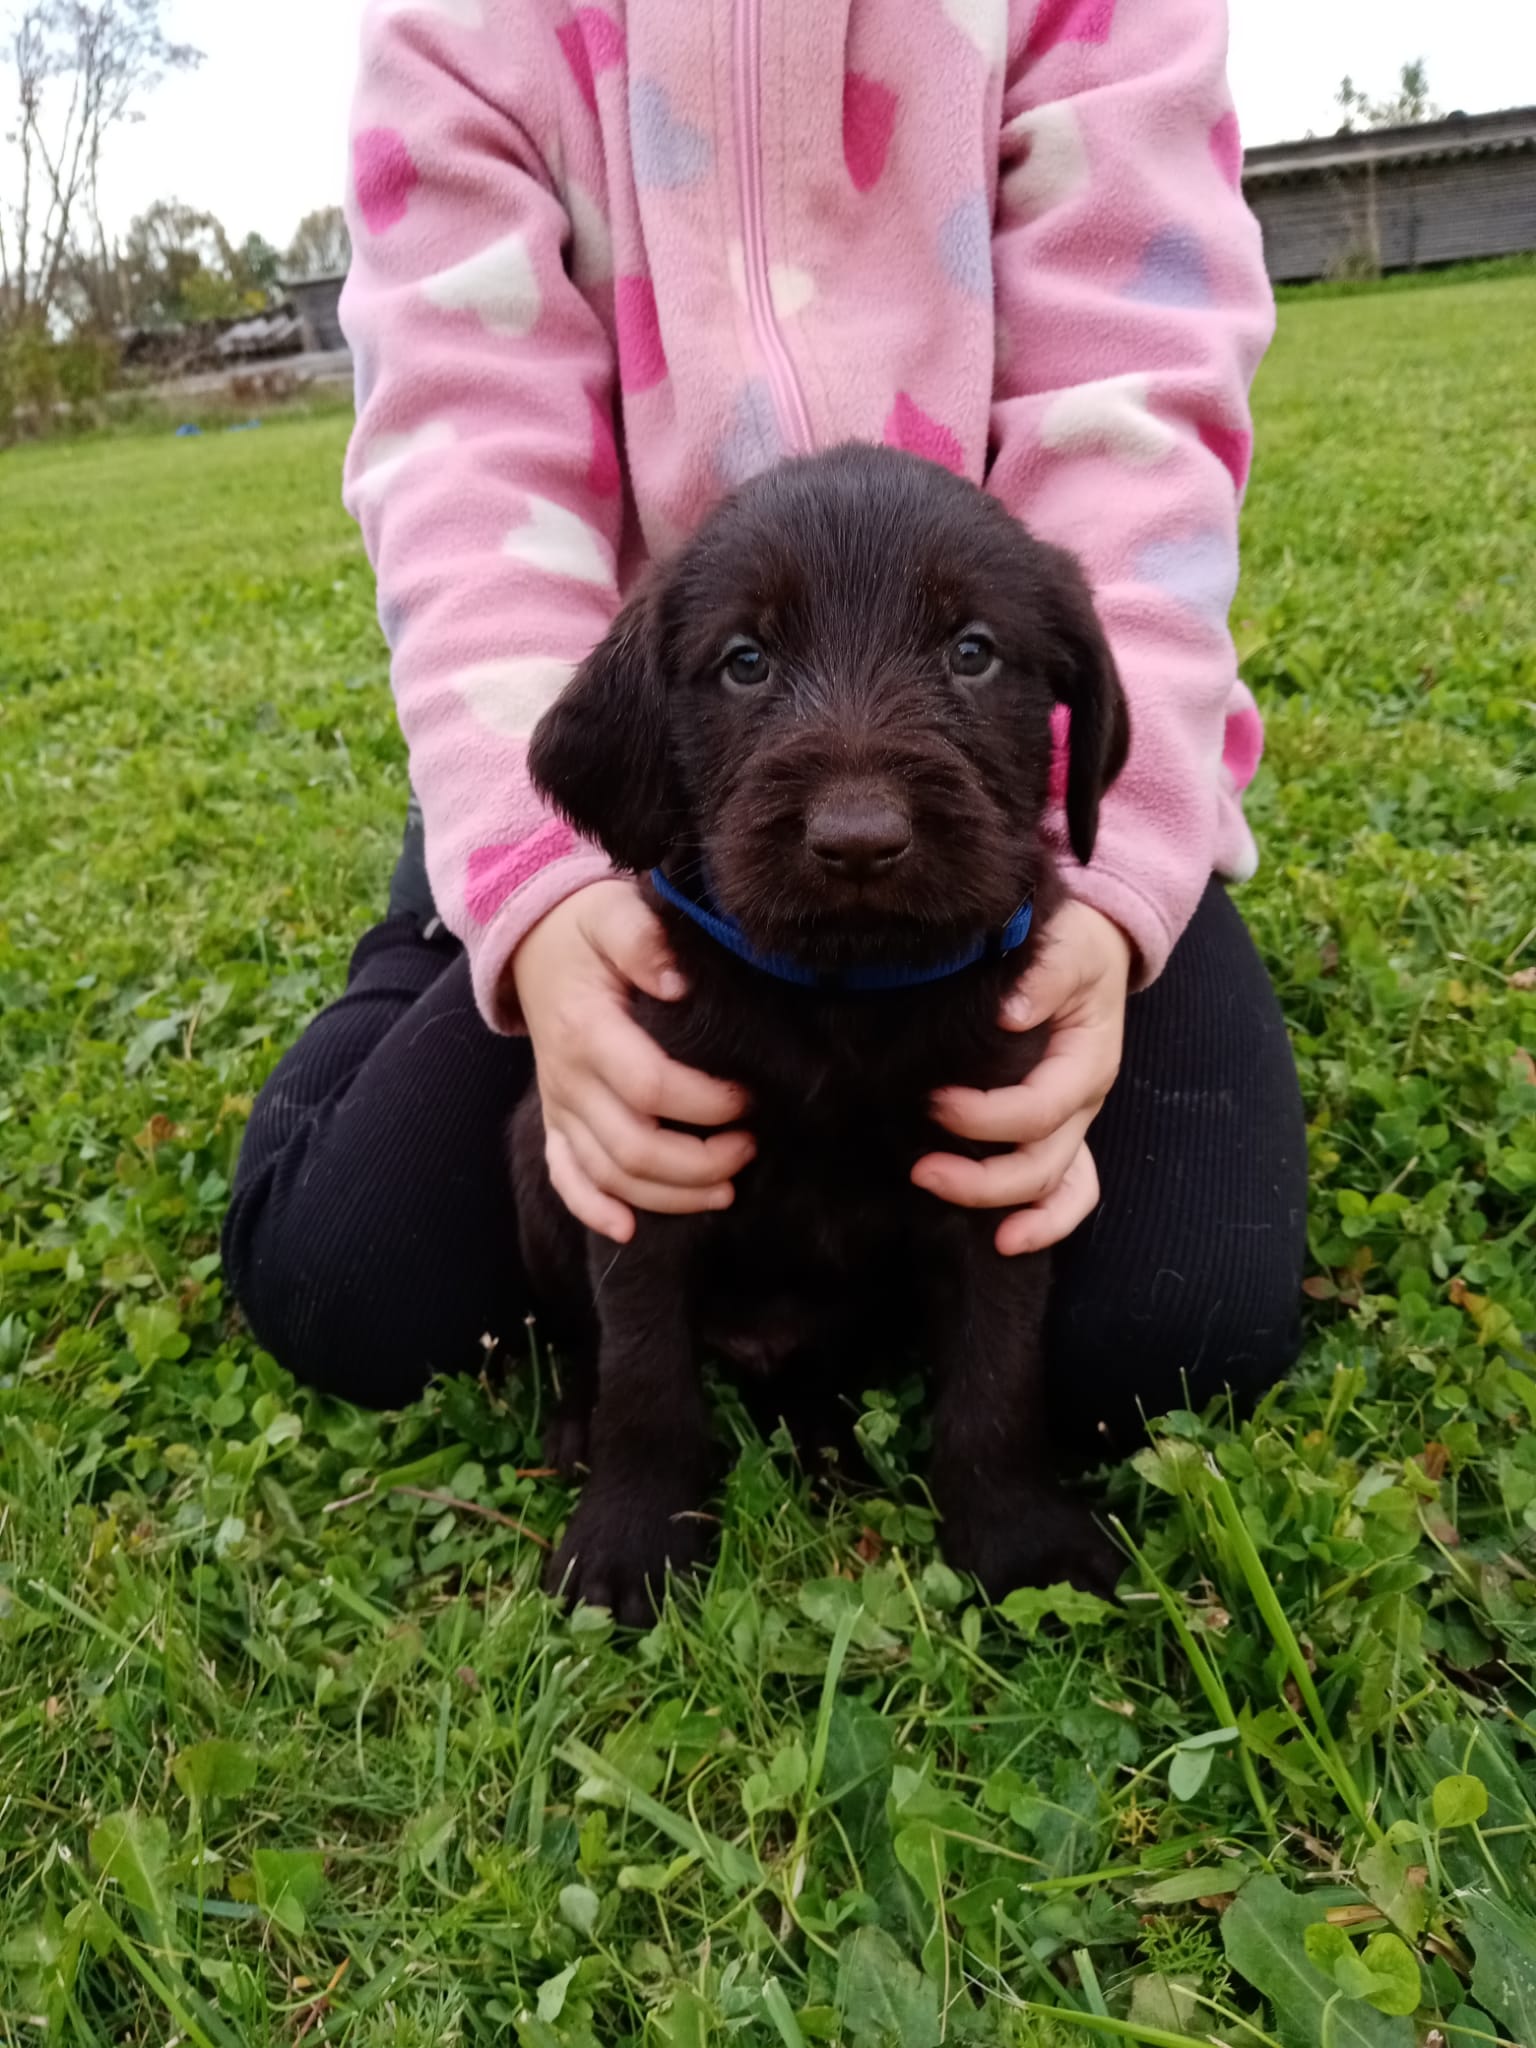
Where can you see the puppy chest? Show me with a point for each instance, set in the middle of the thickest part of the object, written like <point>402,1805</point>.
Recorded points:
<point>773,1278</point>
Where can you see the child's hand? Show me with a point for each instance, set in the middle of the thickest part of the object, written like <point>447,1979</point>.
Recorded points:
<point>604,1080</point>
<point>1079,983</point>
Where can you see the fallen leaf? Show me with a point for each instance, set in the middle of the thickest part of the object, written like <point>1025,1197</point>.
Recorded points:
<point>1524,977</point>
<point>1436,1457</point>
<point>870,1545</point>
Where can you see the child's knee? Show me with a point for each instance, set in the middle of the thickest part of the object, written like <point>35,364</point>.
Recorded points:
<point>1118,1359</point>
<point>339,1318</point>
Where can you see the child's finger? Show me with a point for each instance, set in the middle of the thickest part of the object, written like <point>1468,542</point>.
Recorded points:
<point>628,1060</point>
<point>1073,1076</point>
<point>1006,1180</point>
<point>1070,1203</point>
<point>655,1196</point>
<point>585,1200</point>
<point>645,1151</point>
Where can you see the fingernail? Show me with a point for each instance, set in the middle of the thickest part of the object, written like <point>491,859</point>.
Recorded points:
<point>1018,1011</point>
<point>720,1198</point>
<point>671,985</point>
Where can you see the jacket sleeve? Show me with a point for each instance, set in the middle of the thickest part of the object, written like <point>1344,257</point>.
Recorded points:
<point>482,468</point>
<point>1133,309</point>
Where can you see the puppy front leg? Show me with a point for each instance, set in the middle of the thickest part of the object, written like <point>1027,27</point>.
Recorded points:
<point>1006,1521</point>
<point>652,1460</point>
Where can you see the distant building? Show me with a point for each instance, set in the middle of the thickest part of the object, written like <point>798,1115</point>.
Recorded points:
<point>1446,191</point>
<point>315,300</point>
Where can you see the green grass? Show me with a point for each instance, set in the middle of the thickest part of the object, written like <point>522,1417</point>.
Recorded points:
<point>1487,269</point>
<point>277,1715</point>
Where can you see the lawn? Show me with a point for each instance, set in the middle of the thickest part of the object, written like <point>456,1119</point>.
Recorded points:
<point>291,1746</point>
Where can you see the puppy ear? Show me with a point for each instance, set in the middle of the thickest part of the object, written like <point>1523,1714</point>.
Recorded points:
<point>1088,683</point>
<point>602,753</point>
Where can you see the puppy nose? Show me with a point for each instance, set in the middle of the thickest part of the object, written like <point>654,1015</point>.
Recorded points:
<point>858,833</point>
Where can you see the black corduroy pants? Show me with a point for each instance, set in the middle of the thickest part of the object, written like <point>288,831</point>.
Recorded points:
<point>372,1239</point>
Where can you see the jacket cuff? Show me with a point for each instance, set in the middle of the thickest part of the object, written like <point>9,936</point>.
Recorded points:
<point>1145,923</point>
<point>491,949</point>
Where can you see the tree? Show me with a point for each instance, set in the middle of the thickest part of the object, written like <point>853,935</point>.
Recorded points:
<point>175,265</point>
<point>260,263</point>
<point>1409,104</point>
<point>178,265</point>
<point>320,245</point>
<point>80,69</point>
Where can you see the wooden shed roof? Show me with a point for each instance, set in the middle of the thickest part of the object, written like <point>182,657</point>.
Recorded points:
<point>1512,128</point>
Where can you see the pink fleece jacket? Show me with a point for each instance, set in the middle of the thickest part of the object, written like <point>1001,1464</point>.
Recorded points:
<point>611,260</point>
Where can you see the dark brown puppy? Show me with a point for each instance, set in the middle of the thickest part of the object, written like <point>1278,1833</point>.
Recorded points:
<point>829,719</point>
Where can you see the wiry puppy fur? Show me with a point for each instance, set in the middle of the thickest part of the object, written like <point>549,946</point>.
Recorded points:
<point>832,712</point>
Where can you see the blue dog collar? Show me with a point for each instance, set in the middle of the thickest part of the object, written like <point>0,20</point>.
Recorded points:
<point>725,931</point>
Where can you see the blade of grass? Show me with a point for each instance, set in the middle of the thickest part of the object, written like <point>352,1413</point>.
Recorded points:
<point>1088,1977</point>
<point>1267,1600</point>
<point>842,1636</point>
<point>1207,1677</point>
<point>1121,2030</point>
<point>729,1864</point>
<point>777,2006</point>
<point>190,2012</point>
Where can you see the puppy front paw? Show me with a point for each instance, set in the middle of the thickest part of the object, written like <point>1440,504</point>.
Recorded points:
<point>619,1546</point>
<point>1030,1538</point>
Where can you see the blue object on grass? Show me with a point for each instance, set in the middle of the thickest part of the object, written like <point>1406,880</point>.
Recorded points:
<point>182,432</point>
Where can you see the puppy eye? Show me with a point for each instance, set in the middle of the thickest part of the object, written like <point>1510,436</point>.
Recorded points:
<point>745,665</point>
<point>972,658</point>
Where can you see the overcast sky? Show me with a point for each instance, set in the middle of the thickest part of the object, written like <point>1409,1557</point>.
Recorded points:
<point>257,134</point>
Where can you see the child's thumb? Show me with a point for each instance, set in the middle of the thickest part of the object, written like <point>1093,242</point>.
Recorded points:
<point>1042,991</point>
<point>633,941</point>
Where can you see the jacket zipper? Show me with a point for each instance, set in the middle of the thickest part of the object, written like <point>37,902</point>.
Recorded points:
<point>794,420</point>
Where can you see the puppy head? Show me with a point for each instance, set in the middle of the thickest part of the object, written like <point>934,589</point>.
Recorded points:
<point>835,705</point>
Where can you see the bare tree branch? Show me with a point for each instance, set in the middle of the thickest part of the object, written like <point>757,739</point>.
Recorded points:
<point>79,71</point>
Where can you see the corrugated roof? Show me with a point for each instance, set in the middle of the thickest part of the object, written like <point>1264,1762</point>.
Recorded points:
<point>1512,128</point>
